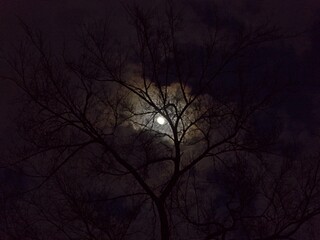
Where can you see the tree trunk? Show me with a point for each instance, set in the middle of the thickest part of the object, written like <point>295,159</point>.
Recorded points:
<point>164,224</point>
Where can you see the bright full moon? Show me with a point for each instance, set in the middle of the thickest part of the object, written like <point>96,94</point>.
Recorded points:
<point>161,120</point>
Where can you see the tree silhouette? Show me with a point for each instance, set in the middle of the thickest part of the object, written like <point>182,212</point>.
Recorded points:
<point>164,137</point>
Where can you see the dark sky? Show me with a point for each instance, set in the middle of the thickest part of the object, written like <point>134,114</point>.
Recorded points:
<point>300,57</point>
<point>59,18</point>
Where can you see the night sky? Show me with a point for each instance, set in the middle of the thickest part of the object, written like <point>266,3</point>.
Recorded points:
<point>295,60</point>
<point>59,19</point>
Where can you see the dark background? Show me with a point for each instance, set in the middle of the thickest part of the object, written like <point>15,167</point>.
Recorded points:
<point>299,58</point>
<point>59,20</point>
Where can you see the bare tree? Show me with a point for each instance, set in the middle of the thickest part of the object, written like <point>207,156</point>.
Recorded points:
<point>159,138</point>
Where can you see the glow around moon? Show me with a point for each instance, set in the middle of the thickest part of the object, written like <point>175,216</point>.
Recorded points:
<point>161,120</point>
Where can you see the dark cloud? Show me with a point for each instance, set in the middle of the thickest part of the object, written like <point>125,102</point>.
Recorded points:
<point>295,60</point>
<point>60,19</point>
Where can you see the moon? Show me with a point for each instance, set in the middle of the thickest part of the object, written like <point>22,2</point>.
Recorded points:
<point>161,120</point>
